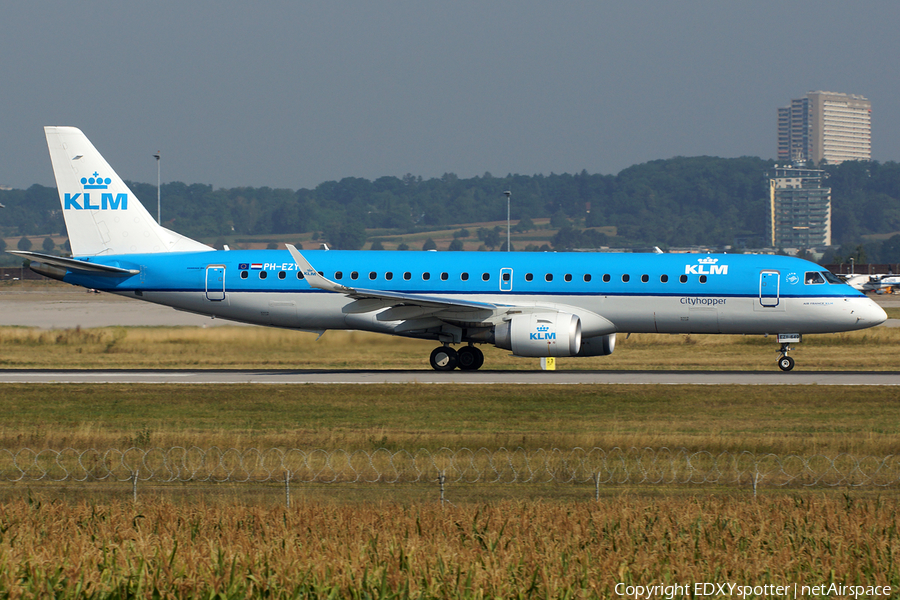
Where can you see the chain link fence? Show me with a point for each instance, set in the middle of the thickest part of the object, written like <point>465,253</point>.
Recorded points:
<point>602,467</point>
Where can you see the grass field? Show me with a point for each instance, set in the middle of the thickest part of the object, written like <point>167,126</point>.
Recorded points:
<point>789,419</point>
<point>377,541</point>
<point>258,347</point>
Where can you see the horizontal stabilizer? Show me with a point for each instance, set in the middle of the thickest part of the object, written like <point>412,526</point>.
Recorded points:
<point>77,266</point>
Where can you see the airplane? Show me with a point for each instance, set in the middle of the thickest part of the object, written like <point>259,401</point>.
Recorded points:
<point>880,283</point>
<point>535,304</point>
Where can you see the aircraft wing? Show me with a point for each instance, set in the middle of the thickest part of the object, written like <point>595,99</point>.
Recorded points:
<point>388,298</point>
<point>72,264</point>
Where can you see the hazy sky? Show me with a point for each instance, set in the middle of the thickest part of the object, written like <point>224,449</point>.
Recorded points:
<point>291,94</point>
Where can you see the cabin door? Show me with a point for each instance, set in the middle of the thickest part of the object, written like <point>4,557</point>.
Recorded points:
<point>215,283</point>
<point>769,287</point>
<point>506,279</point>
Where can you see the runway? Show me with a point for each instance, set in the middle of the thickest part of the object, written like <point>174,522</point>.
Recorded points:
<point>428,377</point>
<point>63,306</point>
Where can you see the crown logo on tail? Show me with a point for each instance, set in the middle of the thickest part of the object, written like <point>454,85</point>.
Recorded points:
<point>95,182</point>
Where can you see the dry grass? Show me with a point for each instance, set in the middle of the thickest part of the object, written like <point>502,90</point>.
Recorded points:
<point>507,549</point>
<point>784,419</point>
<point>258,347</point>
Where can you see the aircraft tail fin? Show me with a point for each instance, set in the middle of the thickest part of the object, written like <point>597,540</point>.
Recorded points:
<point>103,216</point>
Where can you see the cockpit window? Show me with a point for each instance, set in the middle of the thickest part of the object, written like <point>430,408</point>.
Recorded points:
<point>813,278</point>
<point>831,277</point>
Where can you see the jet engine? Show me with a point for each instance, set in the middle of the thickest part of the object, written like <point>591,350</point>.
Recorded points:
<point>540,334</point>
<point>601,345</point>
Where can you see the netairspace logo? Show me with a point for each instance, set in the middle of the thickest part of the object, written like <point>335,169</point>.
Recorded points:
<point>82,200</point>
<point>736,590</point>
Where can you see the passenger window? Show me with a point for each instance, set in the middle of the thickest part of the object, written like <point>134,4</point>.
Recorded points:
<point>244,274</point>
<point>300,275</point>
<point>645,278</point>
<point>606,278</point>
<point>373,275</point>
<point>587,277</point>
<point>388,275</point>
<point>568,277</point>
<point>263,274</point>
<point>505,276</point>
<point>426,276</point>
<point>407,276</point>
<point>281,274</point>
<point>703,279</point>
<point>664,279</point>
<point>485,276</point>
<point>813,278</point>
<point>548,277</point>
<point>626,278</point>
<point>528,276</point>
<point>444,276</point>
<point>338,274</point>
<point>354,275</point>
<point>683,279</point>
<point>464,276</point>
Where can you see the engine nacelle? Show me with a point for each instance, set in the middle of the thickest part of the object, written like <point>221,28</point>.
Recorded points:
<point>540,334</point>
<point>601,345</point>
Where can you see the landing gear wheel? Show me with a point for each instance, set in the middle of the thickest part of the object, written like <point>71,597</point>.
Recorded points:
<point>785,363</point>
<point>444,358</point>
<point>470,358</point>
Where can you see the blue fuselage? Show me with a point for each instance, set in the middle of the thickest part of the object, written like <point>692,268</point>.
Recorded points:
<point>665,293</point>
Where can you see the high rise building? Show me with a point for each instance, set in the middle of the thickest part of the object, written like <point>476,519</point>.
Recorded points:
<point>799,208</point>
<point>825,125</point>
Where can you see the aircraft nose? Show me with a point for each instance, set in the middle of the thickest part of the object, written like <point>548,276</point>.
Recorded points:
<point>870,314</point>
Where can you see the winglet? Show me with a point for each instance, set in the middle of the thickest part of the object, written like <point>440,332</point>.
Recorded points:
<point>312,276</point>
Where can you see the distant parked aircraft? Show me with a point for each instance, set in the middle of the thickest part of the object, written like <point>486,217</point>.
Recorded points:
<point>883,283</point>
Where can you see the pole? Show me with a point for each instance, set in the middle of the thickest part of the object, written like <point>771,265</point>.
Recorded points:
<point>508,246</point>
<point>287,488</point>
<point>158,221</point>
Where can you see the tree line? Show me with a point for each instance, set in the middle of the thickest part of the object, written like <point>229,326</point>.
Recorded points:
<point>680,201</point>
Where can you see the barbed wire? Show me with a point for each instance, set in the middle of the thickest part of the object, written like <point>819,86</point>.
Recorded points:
<point>655,466</point>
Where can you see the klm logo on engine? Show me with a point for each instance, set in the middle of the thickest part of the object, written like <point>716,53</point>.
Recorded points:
<point>107,201</point>
<point>706,266</point>
<point>543,333</point>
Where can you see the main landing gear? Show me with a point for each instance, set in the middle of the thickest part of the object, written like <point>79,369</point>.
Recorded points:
<point>467,358</point>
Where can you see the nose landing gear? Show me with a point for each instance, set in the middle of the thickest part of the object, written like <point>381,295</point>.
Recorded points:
<point>445,358</point>
<point>785,362</point>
